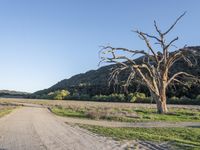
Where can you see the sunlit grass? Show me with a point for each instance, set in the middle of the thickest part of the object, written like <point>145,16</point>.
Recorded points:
<point>5,110</point>
<point>190,137</point>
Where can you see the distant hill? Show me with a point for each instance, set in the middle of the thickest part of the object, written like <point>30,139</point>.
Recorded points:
<point>8,93</point>
<point>96,81</point>
<point>91,79</point>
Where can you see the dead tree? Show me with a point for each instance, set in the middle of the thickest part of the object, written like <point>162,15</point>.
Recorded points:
<point>154,69</point>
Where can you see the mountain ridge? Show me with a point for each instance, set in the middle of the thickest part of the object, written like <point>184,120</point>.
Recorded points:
<point>13,93</point>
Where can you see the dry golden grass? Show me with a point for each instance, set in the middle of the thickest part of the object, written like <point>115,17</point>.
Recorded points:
<point>128,112</point>
<point>89,104</point>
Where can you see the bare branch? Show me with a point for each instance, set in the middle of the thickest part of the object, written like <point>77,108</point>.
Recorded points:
<point>171,42</point>
<point>147,43</point>
<point>157,29</point>
<point>122,49</point>
<point>178,81</point>
<point>174,23</point>
<point>178,74</point>
<point>151,36</point>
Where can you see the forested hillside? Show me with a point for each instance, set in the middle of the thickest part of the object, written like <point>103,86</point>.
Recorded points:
<point>95,82</point>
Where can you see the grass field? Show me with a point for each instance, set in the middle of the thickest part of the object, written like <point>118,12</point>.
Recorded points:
<point>128,114</point>
<point>125,112</point>
<point>83,104</point>
<point>179,138</point>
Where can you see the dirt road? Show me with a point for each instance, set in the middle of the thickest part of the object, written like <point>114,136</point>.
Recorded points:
<point>34,128</point>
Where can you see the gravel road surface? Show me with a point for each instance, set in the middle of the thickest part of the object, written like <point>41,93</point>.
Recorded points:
<point>34,128</point>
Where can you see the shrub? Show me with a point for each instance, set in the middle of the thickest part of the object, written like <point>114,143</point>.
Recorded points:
<point>174,98</point>
<point>110,98</point>
<point>132,97</point>
<point>76,96</point>
<point>93,114</point>
<point>58,95</point>
<point>116,97</point>
<point>84,97</point>
<point>183,100</point>
<point>198,97</point>
<point>144,100</point>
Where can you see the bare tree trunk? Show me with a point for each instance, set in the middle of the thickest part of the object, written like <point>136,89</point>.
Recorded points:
<point>161,107</point>
<point>160,102</point>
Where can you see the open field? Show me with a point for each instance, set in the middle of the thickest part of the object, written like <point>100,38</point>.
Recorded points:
<point>83,104</point>
<point>127,125</point>
<point>177,138</point>
<point>128,114</point>
<point>125,112</point>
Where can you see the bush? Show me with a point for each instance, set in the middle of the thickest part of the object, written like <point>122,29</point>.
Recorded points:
<point>144,100</point>
<point>93,114</point>
<point>183,100</point>
<point>58,95</point>
<point>110,98</point>
<point>198,97</point>
<point>116,97</point>
<point>84,97</point>
<point>132,97</point>
<point>76,96</point>
<point>174,98</point>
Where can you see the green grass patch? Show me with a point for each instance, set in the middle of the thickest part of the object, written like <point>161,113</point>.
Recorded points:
<point>174,115</point>
<point>190,137</point>
<point>68,112</point>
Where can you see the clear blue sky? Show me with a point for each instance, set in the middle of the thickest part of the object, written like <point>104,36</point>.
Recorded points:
<point>45,41</point>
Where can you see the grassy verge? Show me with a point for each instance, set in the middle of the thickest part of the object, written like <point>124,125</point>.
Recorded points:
<point>68,112</point>
<point>5,111</point>
<point>189,137</point>
<point>128,114</point>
